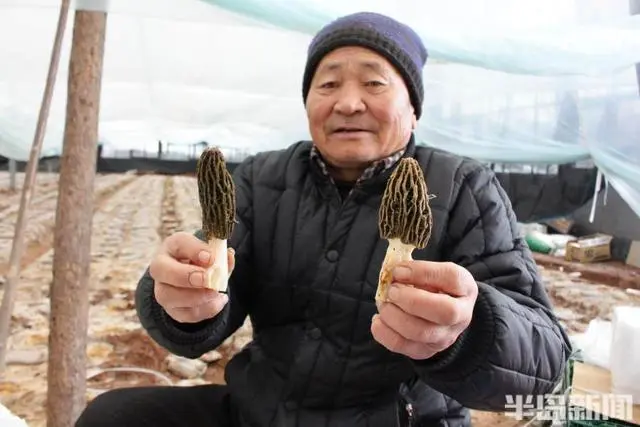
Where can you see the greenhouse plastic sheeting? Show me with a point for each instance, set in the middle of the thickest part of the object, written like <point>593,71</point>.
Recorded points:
<point>542,37</point>
<point>542,82</point>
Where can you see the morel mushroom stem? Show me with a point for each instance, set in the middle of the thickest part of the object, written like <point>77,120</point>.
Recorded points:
<point>218,203</point>
<point>217,275</point>
<point>397,252</point>
<point>404,219</point>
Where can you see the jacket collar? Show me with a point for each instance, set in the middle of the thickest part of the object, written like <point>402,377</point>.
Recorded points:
<point>372,181</point>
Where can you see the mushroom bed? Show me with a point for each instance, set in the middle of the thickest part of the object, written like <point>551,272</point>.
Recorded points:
<point>132,215</point>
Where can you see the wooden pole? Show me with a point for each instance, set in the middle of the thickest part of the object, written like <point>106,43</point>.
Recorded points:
<point>13,171</point>
<point>17,247</point>
<point>69,296</point>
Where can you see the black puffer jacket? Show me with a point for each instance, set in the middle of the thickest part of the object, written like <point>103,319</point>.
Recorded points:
<point>307,267</point>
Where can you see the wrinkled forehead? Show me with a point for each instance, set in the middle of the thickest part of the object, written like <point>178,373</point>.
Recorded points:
<point>355,58</point>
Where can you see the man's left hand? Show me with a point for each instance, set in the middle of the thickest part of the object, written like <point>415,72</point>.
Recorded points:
<point>427,316</point>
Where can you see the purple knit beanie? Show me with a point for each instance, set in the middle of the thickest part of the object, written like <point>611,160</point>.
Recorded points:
<point>395,41</point>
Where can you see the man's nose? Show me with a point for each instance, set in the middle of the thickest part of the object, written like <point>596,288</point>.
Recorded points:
<point>349,101</point>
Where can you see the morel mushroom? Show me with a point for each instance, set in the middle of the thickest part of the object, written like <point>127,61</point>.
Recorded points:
<point>218,203</point>
<point>404,219</point>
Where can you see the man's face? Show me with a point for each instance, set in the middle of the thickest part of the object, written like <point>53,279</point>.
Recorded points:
<point>358,108</point>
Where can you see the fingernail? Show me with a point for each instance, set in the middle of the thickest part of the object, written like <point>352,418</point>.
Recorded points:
<point>196,278</point>
<point>401,273</point>
<point>393,293</point>
<point>204,256</point>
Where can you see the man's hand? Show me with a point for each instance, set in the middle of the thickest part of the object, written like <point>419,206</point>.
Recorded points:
<point>430,305</point>
<point>178,274</point>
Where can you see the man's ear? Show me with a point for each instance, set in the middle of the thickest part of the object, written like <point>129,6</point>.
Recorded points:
<point>414,121</point>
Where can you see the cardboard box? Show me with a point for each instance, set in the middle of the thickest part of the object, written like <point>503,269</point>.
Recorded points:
<point>560,225</point>
<point>596,381</point>
<point>593,248</point>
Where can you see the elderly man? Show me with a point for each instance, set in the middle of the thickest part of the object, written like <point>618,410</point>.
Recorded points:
<point>475,326</point>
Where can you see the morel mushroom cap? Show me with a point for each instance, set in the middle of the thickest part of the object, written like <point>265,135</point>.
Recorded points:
<point>404,212</point>
<point>217,195</point>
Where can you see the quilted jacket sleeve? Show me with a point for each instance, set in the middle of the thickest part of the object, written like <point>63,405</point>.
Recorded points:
<point>514,345</point>
<point>193,340</point>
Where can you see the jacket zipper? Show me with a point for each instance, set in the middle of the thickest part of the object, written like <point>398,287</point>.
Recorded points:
<point>409,408</point>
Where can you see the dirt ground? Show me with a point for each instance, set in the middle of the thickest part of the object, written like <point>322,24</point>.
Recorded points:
<point>132,214</point>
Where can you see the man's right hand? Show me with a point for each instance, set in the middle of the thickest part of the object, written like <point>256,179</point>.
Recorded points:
<point>178,274</point>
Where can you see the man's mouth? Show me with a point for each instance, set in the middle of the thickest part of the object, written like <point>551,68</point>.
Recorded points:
<point>349,130</point>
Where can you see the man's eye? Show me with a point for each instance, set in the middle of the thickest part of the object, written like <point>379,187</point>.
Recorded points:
<point>328,85</point>
<point>374,83</point>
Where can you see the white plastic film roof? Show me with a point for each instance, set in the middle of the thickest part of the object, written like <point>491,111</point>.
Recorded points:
<point>550,81</point>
